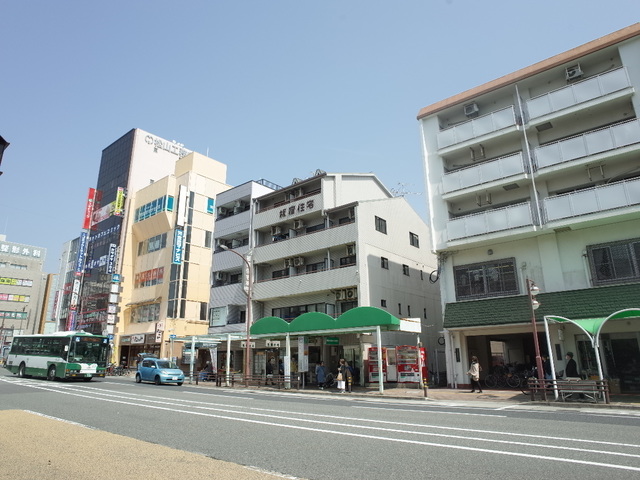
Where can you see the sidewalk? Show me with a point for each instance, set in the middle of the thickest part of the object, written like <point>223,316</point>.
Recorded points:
<point>443,394</point>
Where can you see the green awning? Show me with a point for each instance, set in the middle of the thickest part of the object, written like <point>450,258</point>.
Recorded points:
<point>362,318</point>
<point>592,326</point>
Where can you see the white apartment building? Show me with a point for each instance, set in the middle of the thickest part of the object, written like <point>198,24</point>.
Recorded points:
<point>535,176</point>
<point>326,244</point>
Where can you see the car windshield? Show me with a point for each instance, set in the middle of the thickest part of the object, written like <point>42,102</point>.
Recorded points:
<point>166,364</point>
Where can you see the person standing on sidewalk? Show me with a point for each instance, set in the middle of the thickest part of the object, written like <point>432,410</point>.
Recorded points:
<point>321,376</point>
<point>342,375</point>
<point>474,375</point>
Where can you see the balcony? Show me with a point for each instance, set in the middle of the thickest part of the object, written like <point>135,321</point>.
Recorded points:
<point>505,218</point>
<point>473,175</point>
<point>579,92</point>
<point>593,200</point>
<point>477,127</point>
<point>591,143</point>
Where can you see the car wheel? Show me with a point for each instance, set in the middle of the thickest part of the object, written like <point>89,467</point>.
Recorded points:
<point>157,379</point>
<point>22,370</point>
<point>51,373</point>
<point>138,378</point>
<point>179,384</point>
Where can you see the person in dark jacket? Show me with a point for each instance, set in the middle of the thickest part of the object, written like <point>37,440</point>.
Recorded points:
<point>571,368</point>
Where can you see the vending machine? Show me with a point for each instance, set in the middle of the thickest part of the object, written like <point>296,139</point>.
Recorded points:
<point>408,364</point>
<point>373,374</point>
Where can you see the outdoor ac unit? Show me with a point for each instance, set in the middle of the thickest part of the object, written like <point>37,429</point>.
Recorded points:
<point>236,243</point>
<point>239,204</point>
<point>351,250</point>
<point>298,261</point>
<point>222,211</point>
<point>573,72</point>
<point>276,230</point>
<point>298,224</point>
<point>221,275</point>
<point>297,192</point>
<point>471,109</point>
<point>288,262</point>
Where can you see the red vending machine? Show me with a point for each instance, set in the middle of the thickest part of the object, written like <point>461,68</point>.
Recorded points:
<point>373,375</point>
<point>408,364</point>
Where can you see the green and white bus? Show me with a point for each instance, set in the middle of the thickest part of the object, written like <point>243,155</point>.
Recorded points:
<point>63,355</point>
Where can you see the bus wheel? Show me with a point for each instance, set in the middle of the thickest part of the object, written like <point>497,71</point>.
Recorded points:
<point>22,370</point>
<point>51,374</point>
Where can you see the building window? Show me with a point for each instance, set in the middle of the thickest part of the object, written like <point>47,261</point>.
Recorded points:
<point>399,309</point>
<point>207,238</point>
<point>414,240</point>
<point>381,225</point>
<point>615,262</point>
<point>486,279</point>
<point>384,263</point>
<point>383,303</point>
<point>409,311</point>
<point>405,270</point>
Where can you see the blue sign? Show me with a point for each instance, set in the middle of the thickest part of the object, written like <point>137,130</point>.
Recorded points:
<point>178,240</point>
<point>115,278</point>
<point>172,336</point>
<point>210,205</point>
<point>110,336</point>
<point>82,251</point>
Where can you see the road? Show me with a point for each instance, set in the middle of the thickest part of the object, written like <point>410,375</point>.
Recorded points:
<point>307,436</point>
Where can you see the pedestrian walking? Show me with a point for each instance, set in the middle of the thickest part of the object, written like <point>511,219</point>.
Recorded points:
<point>342,375</point>
<point>474,375</point>
<point>321,374</point>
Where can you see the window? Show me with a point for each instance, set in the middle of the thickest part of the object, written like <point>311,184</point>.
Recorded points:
<point>615,262</point>
<point>384,263</point>
<point>414,240</point>
<point>207,238</point>
<point>399,309</point>
<point>409,311</point>
<point>486,279</point>
<point>383,303</point>
<point>405,270</point>
<point>381,225</point>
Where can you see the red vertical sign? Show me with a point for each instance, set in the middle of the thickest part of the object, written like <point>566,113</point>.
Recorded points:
<point>91,197</point>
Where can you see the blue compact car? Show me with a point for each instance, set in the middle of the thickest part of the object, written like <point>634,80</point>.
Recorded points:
<point>159,371</point>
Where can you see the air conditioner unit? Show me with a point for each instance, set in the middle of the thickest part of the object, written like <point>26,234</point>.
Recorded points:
<point>221,275</point>
<point>276,230</point>
<point>297,192</point>
<point>288,262</point>
<point>471,109</point>
<point>222,211</point>
<point>572,73</point>
<point>298,224</point>
<point>298,261</point>
<point>239,204</point>
<point>236,243</point>
<point>351,250</point>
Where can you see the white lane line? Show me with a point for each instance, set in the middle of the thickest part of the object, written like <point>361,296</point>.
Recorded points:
<point>373,437</point>
<point>493,415</point>
<point>59,419</point>
<point>155,399</point>
<point>388,430</point>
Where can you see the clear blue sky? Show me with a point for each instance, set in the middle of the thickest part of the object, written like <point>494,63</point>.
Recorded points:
<point>275,89</point>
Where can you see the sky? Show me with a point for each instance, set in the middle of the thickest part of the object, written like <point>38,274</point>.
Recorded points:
<point>275,89</point>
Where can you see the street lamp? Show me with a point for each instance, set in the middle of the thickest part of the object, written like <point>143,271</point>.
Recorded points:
<point>533,290</point>
<point>247,354</point>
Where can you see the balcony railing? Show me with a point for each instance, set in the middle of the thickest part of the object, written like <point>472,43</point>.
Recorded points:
<point>593,200</point>
<point>285,236</point>
<point>477,127</point>
<point>579,92</point>
<point>483,173</point>
<point>505,218</point>
<point>591,143</point>
<point>288,201</point>
<point>299,274</point>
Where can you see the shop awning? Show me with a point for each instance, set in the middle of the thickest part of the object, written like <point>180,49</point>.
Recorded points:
<point>356,319</point>
<point>593,326</point>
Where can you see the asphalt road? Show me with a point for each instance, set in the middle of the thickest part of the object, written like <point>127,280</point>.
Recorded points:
<point>121,429</point>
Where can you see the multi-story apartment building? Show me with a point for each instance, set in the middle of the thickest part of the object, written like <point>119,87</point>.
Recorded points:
<point>66,275</point>
<point>535,177</point>
<point>148,233</point>
<point>22,289</point>
<point>325,244</point>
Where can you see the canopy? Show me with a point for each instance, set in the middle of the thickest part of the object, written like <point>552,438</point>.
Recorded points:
<point>593,326</point>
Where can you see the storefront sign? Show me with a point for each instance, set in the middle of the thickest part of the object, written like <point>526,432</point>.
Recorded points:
<point>331,341</point>
<point>171,147</point>
<point>137,339</point>
<point>86,224</point>
<point>82,251</point>
<point>218,317</point>
<point>272,344</point>
<point>111,259</point>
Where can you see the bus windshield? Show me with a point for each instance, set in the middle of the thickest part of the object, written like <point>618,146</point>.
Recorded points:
<point>87,350</point>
